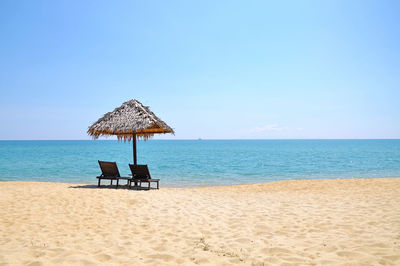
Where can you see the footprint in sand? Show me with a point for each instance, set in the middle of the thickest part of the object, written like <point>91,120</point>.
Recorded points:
<point>379,245</point>
<point>103,257</point>
<point>242,240</point>
<point>349,254</point>
<point>392,258</point>
<point>34,263</point>
<point>275,251</point>
<point>162,256</point>
<point>160,248</point>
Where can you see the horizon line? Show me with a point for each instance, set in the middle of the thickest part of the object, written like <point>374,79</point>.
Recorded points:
<point>200,139</point>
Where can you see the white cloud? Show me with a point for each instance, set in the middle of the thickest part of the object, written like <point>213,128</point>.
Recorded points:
<point>268,128</point>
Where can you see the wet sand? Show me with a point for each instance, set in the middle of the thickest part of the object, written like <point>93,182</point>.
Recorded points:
<point>353,221</point>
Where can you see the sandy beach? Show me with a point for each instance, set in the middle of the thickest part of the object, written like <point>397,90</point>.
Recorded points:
<point>354,221</point>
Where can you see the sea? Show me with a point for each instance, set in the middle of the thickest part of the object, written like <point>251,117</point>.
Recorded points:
<point>193,163</point>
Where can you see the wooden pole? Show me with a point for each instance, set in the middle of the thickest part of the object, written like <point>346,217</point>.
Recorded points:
<point>134,148</point>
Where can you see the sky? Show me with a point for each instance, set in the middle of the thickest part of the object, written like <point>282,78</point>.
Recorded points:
<point>210,69</point>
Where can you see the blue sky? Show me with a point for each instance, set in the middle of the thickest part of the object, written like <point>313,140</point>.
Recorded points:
<point>210,69</point>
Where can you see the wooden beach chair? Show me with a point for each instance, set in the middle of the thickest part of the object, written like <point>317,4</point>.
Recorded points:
<point>110,172</point>
<point>141,174</point>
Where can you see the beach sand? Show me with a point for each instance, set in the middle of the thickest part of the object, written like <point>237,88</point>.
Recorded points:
<point>353,221</point>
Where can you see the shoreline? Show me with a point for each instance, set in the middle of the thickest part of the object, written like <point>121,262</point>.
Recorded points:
<point>328,221</point>
<point>106,182</point>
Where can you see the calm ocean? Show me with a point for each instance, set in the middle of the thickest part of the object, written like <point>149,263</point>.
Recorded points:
<point>181,163</point>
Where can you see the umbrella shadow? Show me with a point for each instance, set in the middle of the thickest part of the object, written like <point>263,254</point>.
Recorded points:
<point>111,187</point>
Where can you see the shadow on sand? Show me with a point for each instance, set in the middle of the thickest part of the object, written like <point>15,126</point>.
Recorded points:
<point>112,187</point>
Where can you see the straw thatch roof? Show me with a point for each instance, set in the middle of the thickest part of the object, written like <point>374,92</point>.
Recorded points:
<point>131,117</point>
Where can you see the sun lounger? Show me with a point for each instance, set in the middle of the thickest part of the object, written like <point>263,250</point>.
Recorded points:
<point>141,174</point>
<point>110,172</point>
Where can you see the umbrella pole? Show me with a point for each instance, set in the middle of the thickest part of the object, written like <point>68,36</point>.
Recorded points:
<point>134,148</point>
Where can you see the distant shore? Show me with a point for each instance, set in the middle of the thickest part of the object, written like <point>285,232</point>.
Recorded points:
<point>328,221</point>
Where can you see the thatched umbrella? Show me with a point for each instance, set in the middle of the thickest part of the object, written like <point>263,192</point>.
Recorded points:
<point>129,121</point>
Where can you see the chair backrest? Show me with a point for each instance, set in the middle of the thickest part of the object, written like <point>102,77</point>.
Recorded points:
<point>140,171</point>
<point>109,169</point>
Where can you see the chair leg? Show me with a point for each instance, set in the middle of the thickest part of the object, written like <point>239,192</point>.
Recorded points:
<point>149,186</point>
<point>98,185</point>
<point>158,185</point>
<point>117,184</point>
<point>111,182</point>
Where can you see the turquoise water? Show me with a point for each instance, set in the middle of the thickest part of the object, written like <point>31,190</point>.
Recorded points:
<point>180,163</point>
